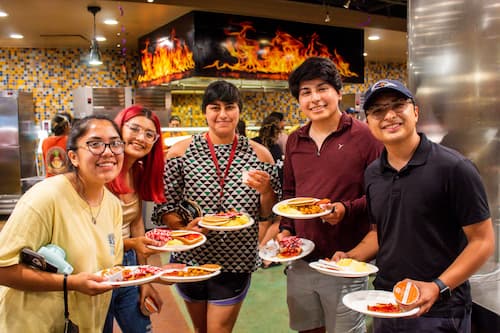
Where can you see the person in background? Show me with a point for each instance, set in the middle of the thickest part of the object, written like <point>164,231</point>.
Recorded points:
<point>430,215</point>
<point>174,122</point>
<point>241,128</point>
<point>352,112</point>
<point>76,212</point>
<point>283,136</point>
<point>269,132</point>
<point>140,179</point>
<point>326,158</point>
<point>54,147</point>
<point>207,170</point>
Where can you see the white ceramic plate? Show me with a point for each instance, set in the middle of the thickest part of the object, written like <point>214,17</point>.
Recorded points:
<point>296,215</point>
<point>359,301</point>
<point>180,279</point>
<point>114,279</point>
<point>269,252</point>
<point>180,248</point>
<point>342,271</point>
<point>227,228</point>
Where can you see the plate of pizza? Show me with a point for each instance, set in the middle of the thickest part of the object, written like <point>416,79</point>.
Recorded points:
<point>190,273</point>
<point>302,208</point>
<point>346,267</point>
<point>376,303</point>
<point>226,221</point>
<point>125,276</point>
<point>288,249</point>
<point>175,240</point>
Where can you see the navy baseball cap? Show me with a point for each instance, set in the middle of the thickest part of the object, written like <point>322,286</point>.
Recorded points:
<point>385,85</point>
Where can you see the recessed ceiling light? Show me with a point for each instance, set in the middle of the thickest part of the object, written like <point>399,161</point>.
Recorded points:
<point>110,22</point>
<point>100,38</point>
<point>3,14</point>
<point>16,36</point>
<point>373,37</point>
<point>365,54</point>
<point>151,0</point>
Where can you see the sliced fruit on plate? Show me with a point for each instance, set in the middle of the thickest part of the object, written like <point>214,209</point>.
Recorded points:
<point>290,247</point>
<point>162,235</point>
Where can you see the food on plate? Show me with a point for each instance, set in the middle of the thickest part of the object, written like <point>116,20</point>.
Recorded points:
<point>189,271</point>
<point>173,265</point>
<point>174,242</point>
<point>384,307</point>
<point>124,273</point>
<point>297,202</point>
<point>149,306</point>
<point>160,234</point>
<point>226,219</point>
<point>290,247</point>
<point>211,266</point>
<point>353,265</point>
<point>306,206</point>
<point>187,237</point>
<point>406,292</point>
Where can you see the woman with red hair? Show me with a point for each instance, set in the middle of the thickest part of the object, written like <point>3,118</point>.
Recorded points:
<point>141,178</point>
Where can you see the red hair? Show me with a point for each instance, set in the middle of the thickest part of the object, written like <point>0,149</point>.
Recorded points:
<point>147,171</point>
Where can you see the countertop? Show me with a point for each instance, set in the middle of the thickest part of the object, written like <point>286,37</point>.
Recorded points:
<point>485,287</point>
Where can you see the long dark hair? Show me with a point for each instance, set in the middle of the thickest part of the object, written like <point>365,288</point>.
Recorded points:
<point>269,131</point>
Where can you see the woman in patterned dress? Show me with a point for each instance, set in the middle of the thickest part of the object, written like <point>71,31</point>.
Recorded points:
<point>207,170</point>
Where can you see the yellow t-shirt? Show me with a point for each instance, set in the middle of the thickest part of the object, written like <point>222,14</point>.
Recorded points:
<point>52,212</point>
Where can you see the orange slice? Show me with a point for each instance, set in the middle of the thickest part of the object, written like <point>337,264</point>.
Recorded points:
<point>406,292</point>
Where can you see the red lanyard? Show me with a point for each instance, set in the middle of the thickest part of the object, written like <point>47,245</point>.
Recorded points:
<point>222,180</point>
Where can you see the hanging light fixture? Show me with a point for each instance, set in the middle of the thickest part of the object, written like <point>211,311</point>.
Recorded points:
<point>347,4</point>
<point>327,14</point>
<point>95,54</point>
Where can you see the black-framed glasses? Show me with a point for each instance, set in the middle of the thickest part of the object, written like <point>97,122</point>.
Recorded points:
<point>149,135</point>
<point>378,111</point>
<point>98,147</point>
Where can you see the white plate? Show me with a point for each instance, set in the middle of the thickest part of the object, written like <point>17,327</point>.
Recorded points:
<point>269,252</point>
<point>227,228</point>
<point>342,271</point>
<point>112,279</point>
<point>180,248</point>
<point>359,301</point>
<point>180,279</point>
<point>298,215</point>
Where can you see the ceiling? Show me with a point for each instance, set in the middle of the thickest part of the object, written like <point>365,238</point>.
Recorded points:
<point>68,24</point>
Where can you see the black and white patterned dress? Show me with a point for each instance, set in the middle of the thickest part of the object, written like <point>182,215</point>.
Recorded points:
<point>194,176</point>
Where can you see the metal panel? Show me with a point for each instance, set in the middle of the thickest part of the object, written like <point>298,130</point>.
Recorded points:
<point>10,168</point>
<point>453,68</point>
<point>157,99</point>
<point>104,101</point>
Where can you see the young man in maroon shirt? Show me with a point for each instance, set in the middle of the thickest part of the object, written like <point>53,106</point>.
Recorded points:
<point>326,158</point>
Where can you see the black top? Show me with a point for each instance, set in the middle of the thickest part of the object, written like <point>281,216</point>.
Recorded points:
<point>420,212</point>
<point>277,153</point>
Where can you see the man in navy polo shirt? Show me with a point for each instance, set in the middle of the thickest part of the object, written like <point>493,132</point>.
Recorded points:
<point>430,216</point>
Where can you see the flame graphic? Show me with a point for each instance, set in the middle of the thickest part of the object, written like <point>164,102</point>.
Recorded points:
<point>170,60</point>
<point>276,59</point>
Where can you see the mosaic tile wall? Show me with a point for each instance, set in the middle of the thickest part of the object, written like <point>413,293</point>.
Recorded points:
<point>52,74</point>
<point>257,105</point>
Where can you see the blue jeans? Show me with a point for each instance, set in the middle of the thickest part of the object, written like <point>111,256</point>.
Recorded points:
<point>125,307</point>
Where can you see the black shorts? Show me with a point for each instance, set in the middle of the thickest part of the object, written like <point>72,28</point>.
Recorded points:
<point>223,289</point>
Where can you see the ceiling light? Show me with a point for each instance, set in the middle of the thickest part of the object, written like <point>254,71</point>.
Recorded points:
<point>373,37</point>
<point>3,14</point>
<point>365,54</point>
<point>95,54</point>
<point>16,36</point>
<point>110,22</point>
<point>151,0</point>
<point>347,4</point>
<point>100,38</point>
<point>327,17</point>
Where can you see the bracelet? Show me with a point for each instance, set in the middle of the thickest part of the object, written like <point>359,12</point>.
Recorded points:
<point>267,218</point>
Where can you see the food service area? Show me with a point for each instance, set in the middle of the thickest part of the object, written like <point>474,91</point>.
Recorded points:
<point>62,61</point>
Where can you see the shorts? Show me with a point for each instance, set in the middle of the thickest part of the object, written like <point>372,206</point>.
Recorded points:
<point>315,300</point>
<point>224,289</point>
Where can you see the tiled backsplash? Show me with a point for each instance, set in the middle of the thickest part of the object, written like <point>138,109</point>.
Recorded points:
<point>52,74</point>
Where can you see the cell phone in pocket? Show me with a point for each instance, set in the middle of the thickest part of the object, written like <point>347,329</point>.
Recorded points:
<point>36,260</point>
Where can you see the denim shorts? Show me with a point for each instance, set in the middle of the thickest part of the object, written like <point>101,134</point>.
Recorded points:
<point>223,289</point>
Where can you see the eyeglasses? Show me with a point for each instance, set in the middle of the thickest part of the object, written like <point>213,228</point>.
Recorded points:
<point>149,135</point>
<point>98,147</point>
<point>378,111</point>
